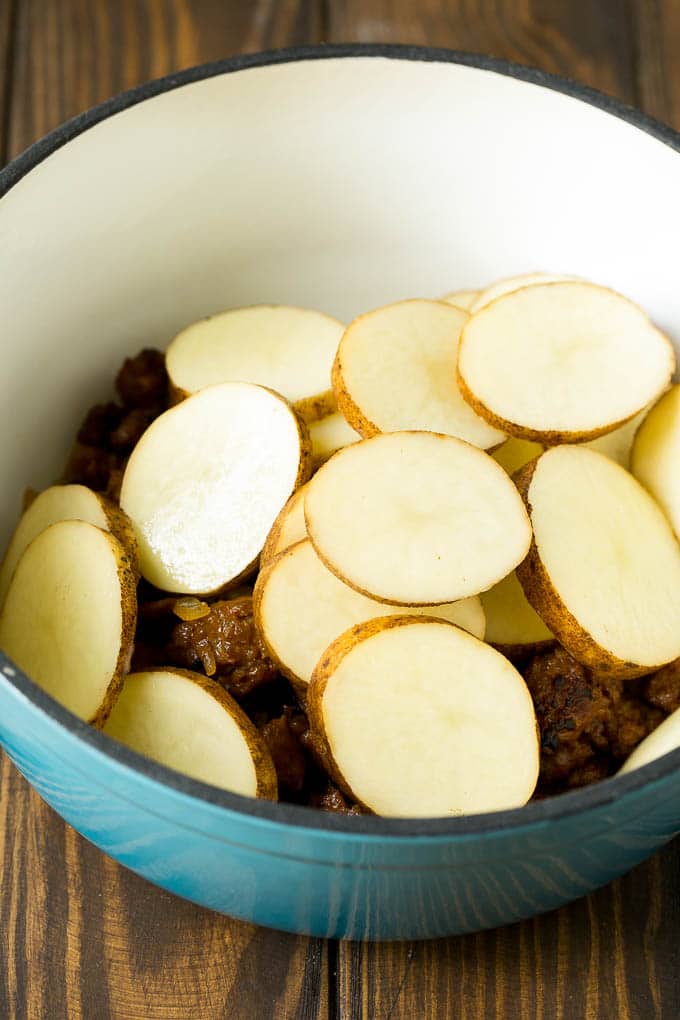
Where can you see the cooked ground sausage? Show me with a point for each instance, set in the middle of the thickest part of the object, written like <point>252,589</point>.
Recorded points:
<point>663,688</point>
<point>143,380</point>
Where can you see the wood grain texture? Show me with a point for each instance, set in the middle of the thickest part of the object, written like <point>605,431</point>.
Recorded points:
<point>588,41</point>
<point>71,54</point>
<point>80,937</point>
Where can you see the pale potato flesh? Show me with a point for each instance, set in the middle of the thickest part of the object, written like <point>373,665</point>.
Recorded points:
<point>655,458</point>
<point>416,518</point>
<point>425,720</point>
<point>515,453</point>
<point>58,503</point>
<point>65,616</point>
<point>330,434</point>
<point>289,350</point>
<point>205,483</point>
<point>510,620</point>
<point>396,369</point>
<point>301,607</point>
<point>562,362</point>
<point>617,445</point>
<point>662,740</point>
<point>512,283</point>
<point>610,555</point>
<point>463,299</point>
<point>166,716</point>
<point>288,528</point>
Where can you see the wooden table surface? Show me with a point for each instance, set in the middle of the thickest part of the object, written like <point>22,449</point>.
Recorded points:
<point>80,937</point>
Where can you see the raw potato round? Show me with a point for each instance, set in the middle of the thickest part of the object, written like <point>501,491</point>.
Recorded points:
<point>289,350</point>
<point>396,369</point>
<point>662,740</point>
<point>562,362</point>
<point>300,608</point>
<point>512,283</point>
<point>206,481</point>
<point>64,503</point>
<point>189,723</point>
<point>415,518</point>
<point>462,299</point>
<point>603,571</point>
<point>328,435</point>
<point>655,457</point>
<point>617,445</point>
<point>69,617</point>
<point>420,719</point>
<point>512,625</point>
<point>288,528</point>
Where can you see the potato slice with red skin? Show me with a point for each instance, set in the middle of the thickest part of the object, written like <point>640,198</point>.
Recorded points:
<point>417,718</point>
<point>64,503</point>
<point>189,723</point>
<point>562,362</point>
<point>301,607</point>
<point>416,518</point>
<point>206,481</point>
<point>68,620</point>
<point>603,571</point>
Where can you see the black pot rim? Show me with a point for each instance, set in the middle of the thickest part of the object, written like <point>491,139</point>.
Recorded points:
<point>598,795</point>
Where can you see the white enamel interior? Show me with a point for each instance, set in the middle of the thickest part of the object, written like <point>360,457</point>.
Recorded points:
<point>341,184</point>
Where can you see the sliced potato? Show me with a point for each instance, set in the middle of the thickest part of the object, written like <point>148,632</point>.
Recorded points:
<point>462,299</point>
<point>206,481</point>
<point>603,571</point>
<point>617,445</point>
<point>189,723</point>
<point>662,740</point>
<point>655,456</point>
<point>416,518</point>
<point>69,616</point>
<point>512,625</point>
<point>328,435</point>
<point>562,362</point>
<point>419,718</point>
<point>64,503</point>
<point>515,453</point>
<point>289,350</point>
<point>288,528</point>
<point>396,369</point>
<point>509,284</point>
<point>300,607</point>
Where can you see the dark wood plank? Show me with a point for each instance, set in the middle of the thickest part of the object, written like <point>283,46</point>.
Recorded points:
<point>80,936</point>
<point>657,29</point>
<point>612,956</point>
<point>74,53</point>
<point>7,21</point>
<point>588,41</point>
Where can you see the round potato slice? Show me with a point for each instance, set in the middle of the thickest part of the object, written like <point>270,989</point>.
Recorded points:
<point>289,350</point>
<point>662,740</point>
<point>562,362</point>
<point>603,571</point>
<point>419,719</point>
<point>416,518</point>
<point>509,284</point>
<point>512,625</point>
<point>396,369</point>
<point>189,723</point>
<point>300,607</point>
<point>288,528</point>
<point>69,616</point>
<point>462,299</point>
<point>655,456</point>
<point>206,481</point>
<point>328,435</point>
<point>64,503</point>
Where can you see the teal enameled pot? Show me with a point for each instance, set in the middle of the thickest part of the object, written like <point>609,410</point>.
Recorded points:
<point>340,178</point>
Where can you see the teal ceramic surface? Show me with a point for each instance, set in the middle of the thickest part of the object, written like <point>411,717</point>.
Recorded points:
<point>340,178</point>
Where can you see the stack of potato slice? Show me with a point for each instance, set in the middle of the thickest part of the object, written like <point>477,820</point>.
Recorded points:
<point>433,490</point>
